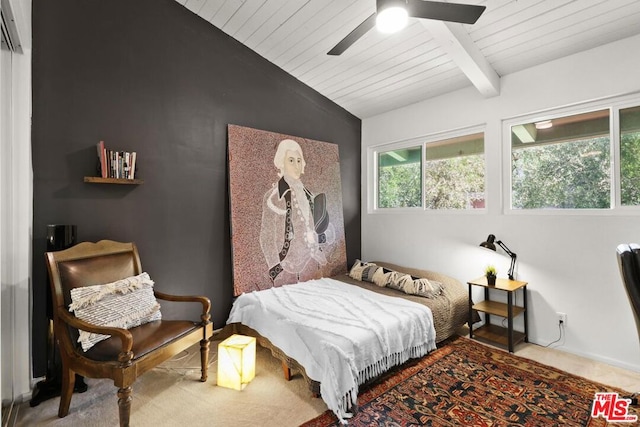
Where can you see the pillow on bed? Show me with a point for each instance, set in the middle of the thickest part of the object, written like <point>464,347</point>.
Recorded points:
<point>381,276</point>
<point>398,281</point>
<point>123,304</point>
<point>363,271</point>
<point>370,272</point>
<point>414,285</point>
<point>424,287</point>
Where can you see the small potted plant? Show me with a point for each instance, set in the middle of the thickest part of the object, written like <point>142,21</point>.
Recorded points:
<point>491,274</point>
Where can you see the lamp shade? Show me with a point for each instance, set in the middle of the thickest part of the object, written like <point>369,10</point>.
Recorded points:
<point>236,361</point>
<point>489,243</point>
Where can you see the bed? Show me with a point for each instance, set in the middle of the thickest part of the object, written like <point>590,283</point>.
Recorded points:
<point>450,308</point>
<point>439,313</point>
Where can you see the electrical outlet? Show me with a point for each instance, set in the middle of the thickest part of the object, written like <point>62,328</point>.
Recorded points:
<point>562,318</point>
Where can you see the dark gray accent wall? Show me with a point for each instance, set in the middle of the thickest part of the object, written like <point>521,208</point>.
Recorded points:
<point>152,77</point>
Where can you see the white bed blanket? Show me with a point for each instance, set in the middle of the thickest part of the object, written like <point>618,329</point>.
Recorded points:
<point>341,334</point>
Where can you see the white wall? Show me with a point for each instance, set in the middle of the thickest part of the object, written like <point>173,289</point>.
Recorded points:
<point>568,260</point>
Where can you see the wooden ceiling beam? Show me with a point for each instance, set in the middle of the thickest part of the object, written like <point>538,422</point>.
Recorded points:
<point>454,39</point>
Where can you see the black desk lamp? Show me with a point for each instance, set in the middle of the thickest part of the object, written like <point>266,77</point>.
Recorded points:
<point>489,244</point>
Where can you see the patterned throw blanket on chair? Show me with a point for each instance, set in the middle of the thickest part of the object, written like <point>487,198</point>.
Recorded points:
<point>341,334</point>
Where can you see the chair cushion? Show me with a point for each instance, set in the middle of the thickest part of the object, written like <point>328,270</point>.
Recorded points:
<point>146,338</point>
<point>125,304</point>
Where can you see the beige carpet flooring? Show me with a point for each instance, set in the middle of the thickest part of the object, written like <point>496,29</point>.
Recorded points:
<point>171,394</point>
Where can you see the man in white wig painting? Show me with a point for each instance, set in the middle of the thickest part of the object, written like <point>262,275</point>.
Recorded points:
<point>295,225</point>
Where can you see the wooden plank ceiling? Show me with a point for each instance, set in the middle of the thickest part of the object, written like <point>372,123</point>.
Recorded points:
<point>380,72</point>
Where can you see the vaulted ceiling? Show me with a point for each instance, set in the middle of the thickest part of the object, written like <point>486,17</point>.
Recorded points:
<point>382,72</point>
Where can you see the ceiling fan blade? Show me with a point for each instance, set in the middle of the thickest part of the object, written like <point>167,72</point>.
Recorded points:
<point>453,12</point>
<point>354,35</point>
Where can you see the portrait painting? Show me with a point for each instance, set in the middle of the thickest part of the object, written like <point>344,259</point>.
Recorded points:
<point>287,222</point>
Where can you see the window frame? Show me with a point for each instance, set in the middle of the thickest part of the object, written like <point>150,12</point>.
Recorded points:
<point>613,105</point>
<point>423,142</point>
<point>616,156</point>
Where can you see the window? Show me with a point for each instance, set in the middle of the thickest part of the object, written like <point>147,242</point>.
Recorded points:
<point>562,163</point>
<point>438,174</point>
<point>399,178</point>
<point>589,160</point>
<point>454,173</point>
<point>630,156</point>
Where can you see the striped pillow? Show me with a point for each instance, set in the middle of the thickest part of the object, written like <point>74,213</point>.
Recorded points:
<point>424,287</point>
<point>363,271</point>
<point>413,285</point>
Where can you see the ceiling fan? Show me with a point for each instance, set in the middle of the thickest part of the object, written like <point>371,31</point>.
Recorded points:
<point>391,15</point>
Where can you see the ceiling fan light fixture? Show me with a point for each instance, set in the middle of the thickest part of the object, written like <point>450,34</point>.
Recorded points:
<point>392,19</point>
<point>393,15</point>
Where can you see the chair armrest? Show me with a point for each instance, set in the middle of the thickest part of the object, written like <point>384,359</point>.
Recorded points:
<point>125,336</point>
<point>206,303</point>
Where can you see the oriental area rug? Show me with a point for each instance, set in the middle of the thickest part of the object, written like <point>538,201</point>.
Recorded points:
<point>466,383</point>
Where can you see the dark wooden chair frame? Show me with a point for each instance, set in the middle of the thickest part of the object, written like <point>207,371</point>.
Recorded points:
<point>628,255</point>
<point>128,353</point>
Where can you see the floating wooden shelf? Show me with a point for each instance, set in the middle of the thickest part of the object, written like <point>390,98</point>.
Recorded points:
<point>100,180</point>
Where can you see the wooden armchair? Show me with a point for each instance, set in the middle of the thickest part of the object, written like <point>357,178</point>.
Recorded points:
<point>126,353</point>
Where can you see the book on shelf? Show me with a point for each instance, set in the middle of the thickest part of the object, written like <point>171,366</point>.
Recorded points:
<point>116,164</point>
<point>132,167</point>
<point>102,159</point>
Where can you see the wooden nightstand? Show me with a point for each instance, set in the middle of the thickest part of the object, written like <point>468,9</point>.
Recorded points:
<point>504,336</point>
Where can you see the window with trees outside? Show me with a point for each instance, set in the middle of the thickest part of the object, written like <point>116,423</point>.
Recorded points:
<point>400,178</point>
<point>567,162</point>
<point>449,175</point>
<point>630,156</point>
